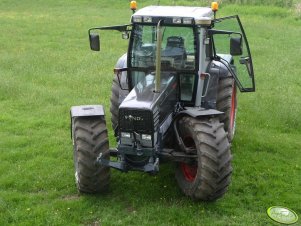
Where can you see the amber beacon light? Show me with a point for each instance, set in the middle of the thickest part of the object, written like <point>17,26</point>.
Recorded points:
<point>133,6</point>
<point>214,6</point>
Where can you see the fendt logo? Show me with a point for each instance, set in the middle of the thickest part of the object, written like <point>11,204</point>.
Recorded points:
<point>133,118</point>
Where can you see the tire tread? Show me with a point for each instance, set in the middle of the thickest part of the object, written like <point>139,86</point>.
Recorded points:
<point>90,139</point>
<point>214,159</point>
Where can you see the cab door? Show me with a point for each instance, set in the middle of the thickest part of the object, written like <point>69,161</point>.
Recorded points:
<point>231,43</point>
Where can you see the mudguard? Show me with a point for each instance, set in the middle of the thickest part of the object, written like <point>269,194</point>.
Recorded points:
<point>217,70</point>
<point>87,110</point>
<point>122,63</point>
<point>192,112</point>
<point>197,112</point>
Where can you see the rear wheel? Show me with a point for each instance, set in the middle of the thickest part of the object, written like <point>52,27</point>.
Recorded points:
<point>208,177</point>
<point>90,138</point>
<point>227,102</point>
<point>117,97</point>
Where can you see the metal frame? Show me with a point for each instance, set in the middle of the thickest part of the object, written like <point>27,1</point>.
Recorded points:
<point>223,61</point>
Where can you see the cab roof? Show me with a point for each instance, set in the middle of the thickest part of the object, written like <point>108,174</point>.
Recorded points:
<point>197,13</point>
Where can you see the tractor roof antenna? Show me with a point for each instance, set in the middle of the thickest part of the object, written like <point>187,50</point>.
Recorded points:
<point>214,7</point>
<point>133,6</point>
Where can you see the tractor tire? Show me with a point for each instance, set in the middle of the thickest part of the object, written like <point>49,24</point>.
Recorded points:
<point>227,102</point>
<point>117,97</point>
<point>90,138</point>
<point>207,178</point>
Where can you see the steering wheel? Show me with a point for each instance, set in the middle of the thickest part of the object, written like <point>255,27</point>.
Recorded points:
<point>147,50</point>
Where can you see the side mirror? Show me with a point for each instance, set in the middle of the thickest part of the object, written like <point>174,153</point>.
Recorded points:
<point>236,46</point>
<point>94,42</point>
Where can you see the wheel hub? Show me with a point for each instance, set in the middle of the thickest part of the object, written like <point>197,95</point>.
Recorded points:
<point>189,171</point>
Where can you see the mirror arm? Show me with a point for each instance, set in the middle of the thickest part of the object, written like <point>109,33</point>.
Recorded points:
<point>222,32</point>
<point>120,28</point>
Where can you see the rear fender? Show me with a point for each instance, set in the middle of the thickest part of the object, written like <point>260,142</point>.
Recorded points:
<point>217,70</point>
<point>122,62</point>
<point>122,78</point>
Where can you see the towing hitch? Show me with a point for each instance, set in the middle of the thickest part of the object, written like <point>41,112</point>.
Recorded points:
<point>151,167</point>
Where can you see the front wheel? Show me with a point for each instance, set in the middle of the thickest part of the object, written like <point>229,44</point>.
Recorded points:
<point>209,177</point>
<point>90,138</point>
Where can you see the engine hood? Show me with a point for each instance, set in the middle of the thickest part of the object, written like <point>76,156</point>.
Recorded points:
<point>143,96</point>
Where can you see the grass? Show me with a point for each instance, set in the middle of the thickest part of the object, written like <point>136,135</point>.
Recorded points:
<point>46,67</point>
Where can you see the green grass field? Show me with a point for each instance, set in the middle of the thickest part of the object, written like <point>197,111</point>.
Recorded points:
<point>46,67</point>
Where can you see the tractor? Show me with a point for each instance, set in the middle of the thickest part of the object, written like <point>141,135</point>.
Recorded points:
<point>174,98</point>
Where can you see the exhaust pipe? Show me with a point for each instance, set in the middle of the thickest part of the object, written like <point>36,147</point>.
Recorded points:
<point>158,57</point>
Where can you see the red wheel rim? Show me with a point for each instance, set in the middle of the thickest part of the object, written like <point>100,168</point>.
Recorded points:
<point>189,171</point>
<point>233,108</point>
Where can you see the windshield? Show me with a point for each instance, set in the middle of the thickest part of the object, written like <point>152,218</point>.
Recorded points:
<point>178,50</point>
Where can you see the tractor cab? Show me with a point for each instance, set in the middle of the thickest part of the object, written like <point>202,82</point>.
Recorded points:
<point>192,43</point>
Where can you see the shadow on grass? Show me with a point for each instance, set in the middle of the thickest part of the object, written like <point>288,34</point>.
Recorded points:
<point>137,186</point>
<point>138,190</point>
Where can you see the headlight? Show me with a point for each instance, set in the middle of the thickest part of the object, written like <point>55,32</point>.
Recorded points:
<point>147,19</point>
<point>137,19</point>
<point>187,20</point>
<point>125,135</point>
<point>177,20</point>
<point>146,137</point>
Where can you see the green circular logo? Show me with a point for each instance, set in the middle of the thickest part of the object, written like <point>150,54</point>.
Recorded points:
<point>282,215</point>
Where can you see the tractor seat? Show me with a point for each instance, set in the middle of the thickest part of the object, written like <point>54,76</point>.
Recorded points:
<point>175,42</point>
<point>175,51</point>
